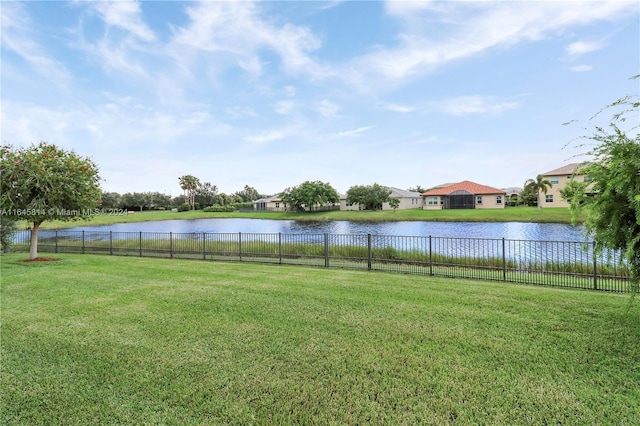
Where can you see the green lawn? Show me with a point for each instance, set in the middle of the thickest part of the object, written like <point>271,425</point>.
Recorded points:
<point>116,340</point>
<point>509,214</point>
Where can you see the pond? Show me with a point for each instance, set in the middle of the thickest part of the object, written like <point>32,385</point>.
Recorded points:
<point>507,230</point>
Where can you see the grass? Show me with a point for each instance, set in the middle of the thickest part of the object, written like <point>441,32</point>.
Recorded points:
<point>509,214</point>
<point>117,340</point>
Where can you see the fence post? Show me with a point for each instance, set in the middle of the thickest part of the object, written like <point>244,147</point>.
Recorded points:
<point>430,257</point>
<point>82,242</point>
<point>326,250</point>
<point>204,246</point>
<point>240,245</point>
<point>111,243</point>
<point>56,241</point>
<point>140,239</point>
<point>369,251</point>
<point>280,247</point>
<point>171,245</point>
<point>504,262</point>
<point>595,267</point>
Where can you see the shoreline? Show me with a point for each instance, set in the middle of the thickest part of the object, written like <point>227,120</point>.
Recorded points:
<point>509,214</point>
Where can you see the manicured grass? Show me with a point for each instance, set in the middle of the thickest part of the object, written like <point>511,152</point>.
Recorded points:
<point>116,340</point>
<point>509,214</point>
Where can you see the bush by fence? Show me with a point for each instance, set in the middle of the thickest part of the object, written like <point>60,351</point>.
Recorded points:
<point>552,263</point>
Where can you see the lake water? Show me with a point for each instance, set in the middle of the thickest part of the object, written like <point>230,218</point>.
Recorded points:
<point>507,230</point>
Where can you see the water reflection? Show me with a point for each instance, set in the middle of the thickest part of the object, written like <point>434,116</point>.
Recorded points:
<point>508,230</point>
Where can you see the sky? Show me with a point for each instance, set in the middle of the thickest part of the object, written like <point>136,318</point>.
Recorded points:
<point>274,93</point>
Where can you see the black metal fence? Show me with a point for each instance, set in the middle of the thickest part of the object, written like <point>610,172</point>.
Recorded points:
<point>551,263</point>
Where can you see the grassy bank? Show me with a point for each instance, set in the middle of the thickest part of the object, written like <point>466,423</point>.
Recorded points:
<point>98,339</point>
<point>510,214</point>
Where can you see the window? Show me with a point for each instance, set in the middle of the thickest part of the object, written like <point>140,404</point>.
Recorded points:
<point>479,199</point>
<point>433,201</point>
<point>277,205</point>
<point>498,199</point>
<point>548,198</point>
<point>554,180</point>
<point>588,179</point>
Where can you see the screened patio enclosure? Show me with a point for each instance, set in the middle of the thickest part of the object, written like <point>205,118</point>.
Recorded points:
<point>459,200</point>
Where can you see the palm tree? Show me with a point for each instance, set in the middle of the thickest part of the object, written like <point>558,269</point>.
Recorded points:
<point>538,185</point>
<point>189,183</point>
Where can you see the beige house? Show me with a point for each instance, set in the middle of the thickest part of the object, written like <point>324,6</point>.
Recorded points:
<point>464,195</point>
<point>407,199</point>
<point>271,204</point>
<point>275,204</point>
<point>559,178</point>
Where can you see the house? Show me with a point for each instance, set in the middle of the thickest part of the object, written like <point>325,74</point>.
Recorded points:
<point>407,200</point>
<point>559,178</point>
<point>464,195</point>
<point>512,195</point>
<point>275,204</point>
<point>271,204</point>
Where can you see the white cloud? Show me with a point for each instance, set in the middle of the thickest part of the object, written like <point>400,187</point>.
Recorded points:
<point>581,68</point>
<point>328,108</point>
<point>290,91</point>
<point>19,34</point>
<point>124,14</point>
<point>399,108</point>
<point>468,29</point>
<point>264,137</point>
<point>354,132</point>
<point>466,105</point>
<point>283,107</point>
<point>236,28</point>
<point>237,112</point>
<point>582,47</point>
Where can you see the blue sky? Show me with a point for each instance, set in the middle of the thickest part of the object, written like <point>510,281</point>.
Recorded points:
<point>271,94</point>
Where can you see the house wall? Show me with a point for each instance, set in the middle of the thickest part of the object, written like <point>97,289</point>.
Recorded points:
<point>405,204</point>
<point>491,201</point>
<point>344,206</point>
<point>553,198</point>
<point>433,203</point>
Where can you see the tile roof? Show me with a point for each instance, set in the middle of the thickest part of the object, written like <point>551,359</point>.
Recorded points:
<point>465,185</point>
<point>568,169</point>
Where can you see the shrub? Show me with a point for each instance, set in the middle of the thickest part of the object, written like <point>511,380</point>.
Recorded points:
<point>7,228</point>
<point>184,207</point>
<point>219,208</point>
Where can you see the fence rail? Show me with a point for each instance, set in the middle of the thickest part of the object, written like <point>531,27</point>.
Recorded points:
<point>550,263</point>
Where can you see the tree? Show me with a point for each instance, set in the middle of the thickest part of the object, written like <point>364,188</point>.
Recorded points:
<point>370,197</point>
<point>189,183</point>
<point>249,194</point>
<point>205,194</point>
<point>159,200</point>
<point>418,188</point>
<point>394,203</point>
<point>528,196</point>
<point>111,200</point>
<point>44,182</point>
<point>139,200</point>
<point>309,194</point>
<point>612,197</point>
<point>538,185</point>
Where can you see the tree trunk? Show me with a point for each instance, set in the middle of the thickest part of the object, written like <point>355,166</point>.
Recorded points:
<point>33,248</point>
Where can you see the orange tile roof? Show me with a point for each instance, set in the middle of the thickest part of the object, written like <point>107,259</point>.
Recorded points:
<point>465,185</point>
